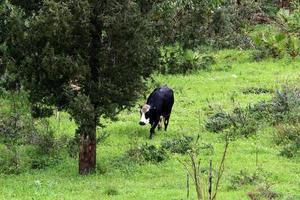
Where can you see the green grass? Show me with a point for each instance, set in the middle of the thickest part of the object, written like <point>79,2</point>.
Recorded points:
<point>193,95</point>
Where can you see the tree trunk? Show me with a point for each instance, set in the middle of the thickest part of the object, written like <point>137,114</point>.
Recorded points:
<point>284,3</point>
<point>87,152</point>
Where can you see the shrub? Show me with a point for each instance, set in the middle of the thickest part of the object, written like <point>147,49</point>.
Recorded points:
<point>281,40</point>
<point>288,136</point>
<point>18,134</point>
<point>240,120</point>
<point>206,62</point>
<point>269,44</point>
<point>260,110</point>
<point>246,178</point>
<point>39,161</point>
<point>72,145</point>
<point>146,153</point>
<point>9,161</point>
<point>283,111</point>
<point>178,145</point>
<point>228,24</point>
<point>285,105</point>
<point>218,122</point>
<point>177,60</point>
<point>263,192</point>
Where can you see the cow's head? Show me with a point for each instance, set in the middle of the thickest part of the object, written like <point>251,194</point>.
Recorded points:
<point>145,114</point>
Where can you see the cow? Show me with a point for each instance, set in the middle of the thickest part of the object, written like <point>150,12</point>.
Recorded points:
<point>159,105</point>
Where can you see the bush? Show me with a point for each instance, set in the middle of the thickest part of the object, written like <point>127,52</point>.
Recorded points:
<point>288,136</point>
<point>43,161</point>
<point>28,144</point>
<point>240,120</point>
<point>177,60</point>
<point>218,122</point>
<point>146,153</point>
<point>72,145</point>
<point>282,39</point>
<point>246,178</point>
<point>285,105</point>
<point>178,145</point>
<point>283,111</point>
<point>10,162</point>
<point>269,44</point>
<point>260,110</point>
<point>263,192</point>
<point>228,24</point>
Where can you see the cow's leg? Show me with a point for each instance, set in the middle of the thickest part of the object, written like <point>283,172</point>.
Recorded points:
<point>166,122</point>
<point>159,124</point>
<point>154,124</point>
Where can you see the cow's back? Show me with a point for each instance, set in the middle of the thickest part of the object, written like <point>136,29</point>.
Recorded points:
<point>163,99</point>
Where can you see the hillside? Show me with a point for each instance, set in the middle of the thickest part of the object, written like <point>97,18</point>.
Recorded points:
<point>195,96</point>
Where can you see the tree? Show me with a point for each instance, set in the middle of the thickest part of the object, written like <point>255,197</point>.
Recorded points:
<point>90,58</point>
<point>184,21</point>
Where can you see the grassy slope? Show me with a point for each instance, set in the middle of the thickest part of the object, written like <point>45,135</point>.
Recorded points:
<point>167,180</point>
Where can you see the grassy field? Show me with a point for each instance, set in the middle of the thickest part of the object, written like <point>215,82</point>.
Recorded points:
<point>194,94</point>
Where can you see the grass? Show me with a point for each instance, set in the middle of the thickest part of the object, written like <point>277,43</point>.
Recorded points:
<point>194,94</point>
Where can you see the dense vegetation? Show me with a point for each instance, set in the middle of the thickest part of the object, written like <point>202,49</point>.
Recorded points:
<point>83,67</point>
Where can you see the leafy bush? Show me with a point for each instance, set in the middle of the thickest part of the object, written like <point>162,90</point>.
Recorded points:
<point>28,144</point>
<point>206,62</point>
<point>288,136</point>
<point>182,21</point>
<point>218,122</point>
<point>240,120</point>
<point>283,111</point>
<point>260,110</point>
<point>263,191</point>
<point>285,105</point>
<point>244,178</point>
<point>269,44</point>
<point>72,145</point>
<point>38,161</point>
<point>10,162</point>
<point>178,145</point>
<point>269,7</point>
<point>282,39</point>
<point>228,24</point>
<point>176,60</point>
<point>146,153</point>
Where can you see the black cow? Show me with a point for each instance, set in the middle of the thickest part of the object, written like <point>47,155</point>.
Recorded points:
<point>159,104</point>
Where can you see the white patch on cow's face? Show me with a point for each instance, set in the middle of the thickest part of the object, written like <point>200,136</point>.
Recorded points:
<point>143,111</point>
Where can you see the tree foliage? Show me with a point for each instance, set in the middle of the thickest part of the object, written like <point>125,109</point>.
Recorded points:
<point>90,58</point>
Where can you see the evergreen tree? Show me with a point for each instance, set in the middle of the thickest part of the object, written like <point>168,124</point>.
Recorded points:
<point>90,58</point>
